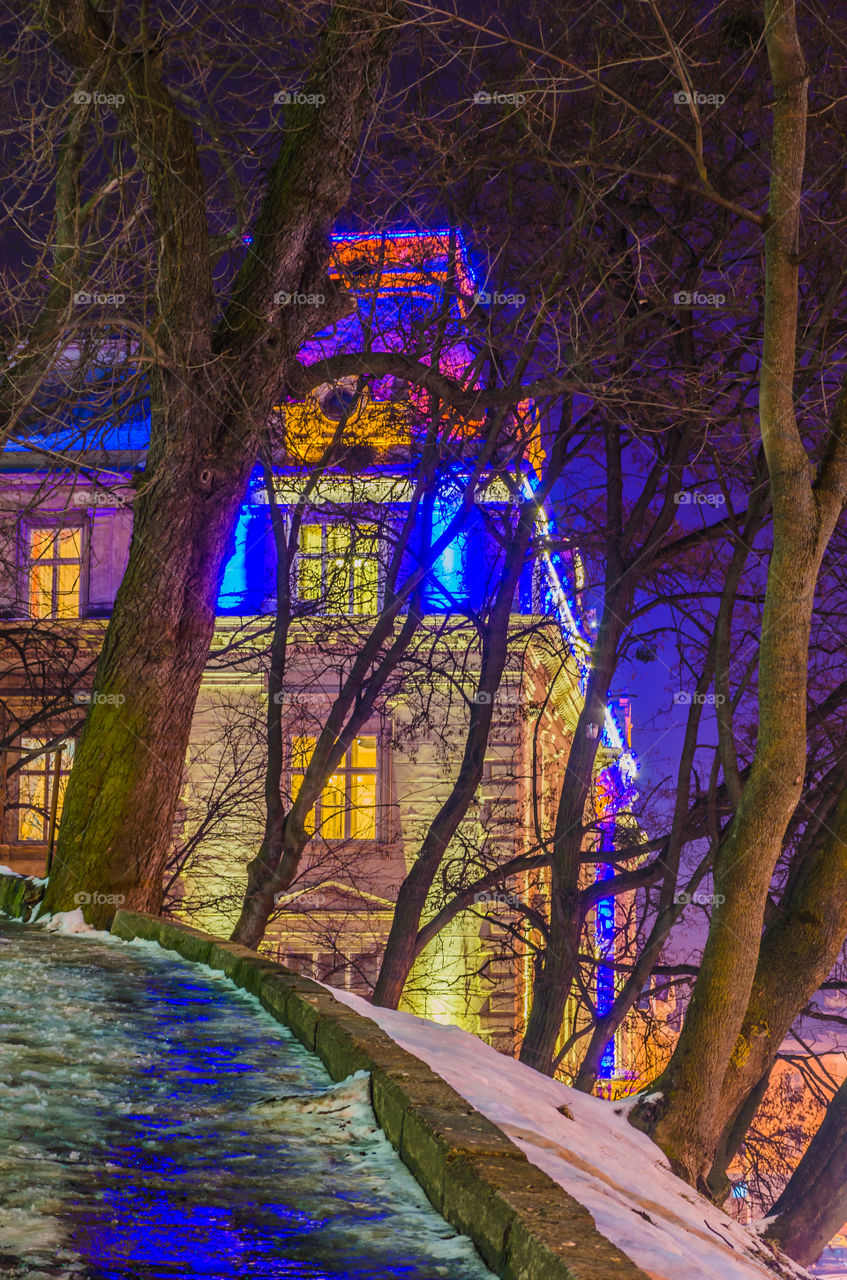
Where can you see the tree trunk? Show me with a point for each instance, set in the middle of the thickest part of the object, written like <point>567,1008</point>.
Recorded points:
<point>798,951</point>
<point>813,1207</point>
<point>552,981</point>
<point>687,1123</point>
<point>400,949</point>
<point>259,896</point>
<point>211,396</point>
<point>625,563</point>
<point>116,826</point>
<point>668,911</point>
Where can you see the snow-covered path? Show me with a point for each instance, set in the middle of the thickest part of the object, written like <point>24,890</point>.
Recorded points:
<point>137,1139</point>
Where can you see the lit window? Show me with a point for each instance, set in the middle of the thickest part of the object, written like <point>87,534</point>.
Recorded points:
<point>338,568</point>
<point>346,808</point>
<point>54,563</point>
<point>35,789</point>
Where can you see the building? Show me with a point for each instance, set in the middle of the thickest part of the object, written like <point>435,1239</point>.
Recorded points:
<point>351,470</point>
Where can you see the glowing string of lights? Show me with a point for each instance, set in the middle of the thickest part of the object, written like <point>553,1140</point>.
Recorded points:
<point>626,763</point>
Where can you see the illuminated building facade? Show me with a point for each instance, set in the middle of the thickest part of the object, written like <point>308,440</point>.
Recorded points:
<point>348,460</point>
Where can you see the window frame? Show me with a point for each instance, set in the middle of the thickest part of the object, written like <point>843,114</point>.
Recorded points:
<point>323,602</point>
<point>347,771</point>
<point>56,522</point>
<point>41,768</point>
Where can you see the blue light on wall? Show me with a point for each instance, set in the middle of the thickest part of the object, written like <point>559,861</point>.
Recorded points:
<point>459,575</point>
<point>242,588</point>
<point>449,568</point>
<point>604,934</point>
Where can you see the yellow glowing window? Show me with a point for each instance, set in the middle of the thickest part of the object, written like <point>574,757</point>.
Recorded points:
<point>309,562</point>
<point>346,808</point>
<point>338,567</point>
<point>54,565</point>
<point>35,789</point>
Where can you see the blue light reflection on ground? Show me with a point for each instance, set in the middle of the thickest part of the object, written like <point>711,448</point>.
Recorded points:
<point>143,1076</point>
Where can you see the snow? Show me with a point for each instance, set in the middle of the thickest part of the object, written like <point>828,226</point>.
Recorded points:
<point>615,1171</point>
<point>590,1149</point>
<point>66,922</point>
<point>71,922</point>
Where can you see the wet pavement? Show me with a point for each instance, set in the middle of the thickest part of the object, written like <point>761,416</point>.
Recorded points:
<point>155,1122</point>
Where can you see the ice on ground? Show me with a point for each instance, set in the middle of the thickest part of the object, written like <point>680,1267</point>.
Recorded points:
<point>153,1125</point>
<point>614,1170</point>
<point>23,1231</point>
<point>347,1105</point>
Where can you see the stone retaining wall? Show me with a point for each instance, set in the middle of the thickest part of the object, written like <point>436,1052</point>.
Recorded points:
<point>525,1226</point>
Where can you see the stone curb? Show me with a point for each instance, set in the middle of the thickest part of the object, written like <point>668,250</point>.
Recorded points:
<point>525,1226</point>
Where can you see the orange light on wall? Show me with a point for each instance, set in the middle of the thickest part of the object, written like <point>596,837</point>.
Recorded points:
<point>405,260</point>
<point>430,266</point>
<point>382,425</point>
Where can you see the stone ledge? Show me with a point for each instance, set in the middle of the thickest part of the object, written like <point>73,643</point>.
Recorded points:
<point>525,1226</point>
<point>18,895</point>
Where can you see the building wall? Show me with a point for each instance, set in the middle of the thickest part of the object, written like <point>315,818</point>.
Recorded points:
<point>478,970</point>
<point>334,921</point>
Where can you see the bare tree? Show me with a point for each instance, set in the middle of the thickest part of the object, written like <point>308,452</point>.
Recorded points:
<point>216,364</point>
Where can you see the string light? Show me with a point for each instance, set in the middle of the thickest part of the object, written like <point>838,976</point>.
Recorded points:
<point>626,764</point>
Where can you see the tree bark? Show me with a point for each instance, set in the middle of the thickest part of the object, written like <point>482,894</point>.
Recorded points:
<point>128,769</point>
